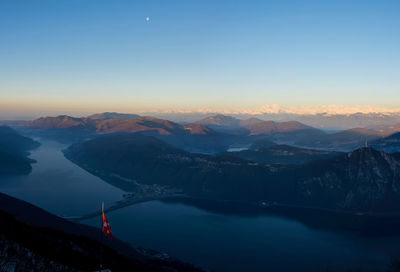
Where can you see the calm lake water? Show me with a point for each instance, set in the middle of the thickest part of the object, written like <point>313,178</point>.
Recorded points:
<point>215,241</point>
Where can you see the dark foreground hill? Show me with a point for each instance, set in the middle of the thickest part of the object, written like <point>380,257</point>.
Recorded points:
<point>363,180</point>
<point>34,240</point>
<point>14,149</point>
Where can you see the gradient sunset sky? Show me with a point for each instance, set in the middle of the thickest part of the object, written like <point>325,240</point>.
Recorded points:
<point>94,55</point>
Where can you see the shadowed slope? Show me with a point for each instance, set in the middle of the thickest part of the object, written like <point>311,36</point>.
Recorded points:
<point>365,179</point>
<point>39,240</point>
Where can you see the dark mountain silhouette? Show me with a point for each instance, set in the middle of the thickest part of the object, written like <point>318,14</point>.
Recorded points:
<point>14,164</point>
<point>388,144</point>
<point>32,239</point>
<point>346,140</point>
<point>261,143</point>
<point>365,179</point>
<point>14,151</point>
<point>283,154</point>
<point>14,143</point>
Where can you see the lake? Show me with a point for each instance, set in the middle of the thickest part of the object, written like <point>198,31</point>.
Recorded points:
<point>212,240</point>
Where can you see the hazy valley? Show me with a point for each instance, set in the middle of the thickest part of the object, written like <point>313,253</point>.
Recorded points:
<point>219,164</point>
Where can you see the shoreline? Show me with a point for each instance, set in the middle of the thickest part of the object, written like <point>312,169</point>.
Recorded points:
<point>259,206</point>
<point>236,207</point>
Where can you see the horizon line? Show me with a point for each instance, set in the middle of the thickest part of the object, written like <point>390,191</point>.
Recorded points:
<point>267,109</point>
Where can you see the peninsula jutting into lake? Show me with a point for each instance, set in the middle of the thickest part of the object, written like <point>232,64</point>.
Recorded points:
<point>216,136</point>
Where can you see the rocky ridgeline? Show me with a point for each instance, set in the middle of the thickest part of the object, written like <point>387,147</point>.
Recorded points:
<point>365,179</point>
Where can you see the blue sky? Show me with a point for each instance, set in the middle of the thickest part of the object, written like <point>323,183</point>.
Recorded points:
<point>81,55</point>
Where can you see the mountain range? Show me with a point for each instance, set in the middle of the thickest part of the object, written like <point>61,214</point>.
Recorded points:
<point>113,122</point>
<point>251,126</point>
<point>327,119</point>
<point>362,180</point>
<point>214,133</point>
<point>194,137</point>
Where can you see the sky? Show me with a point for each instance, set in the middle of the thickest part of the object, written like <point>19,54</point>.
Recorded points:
<point>78,56</point>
